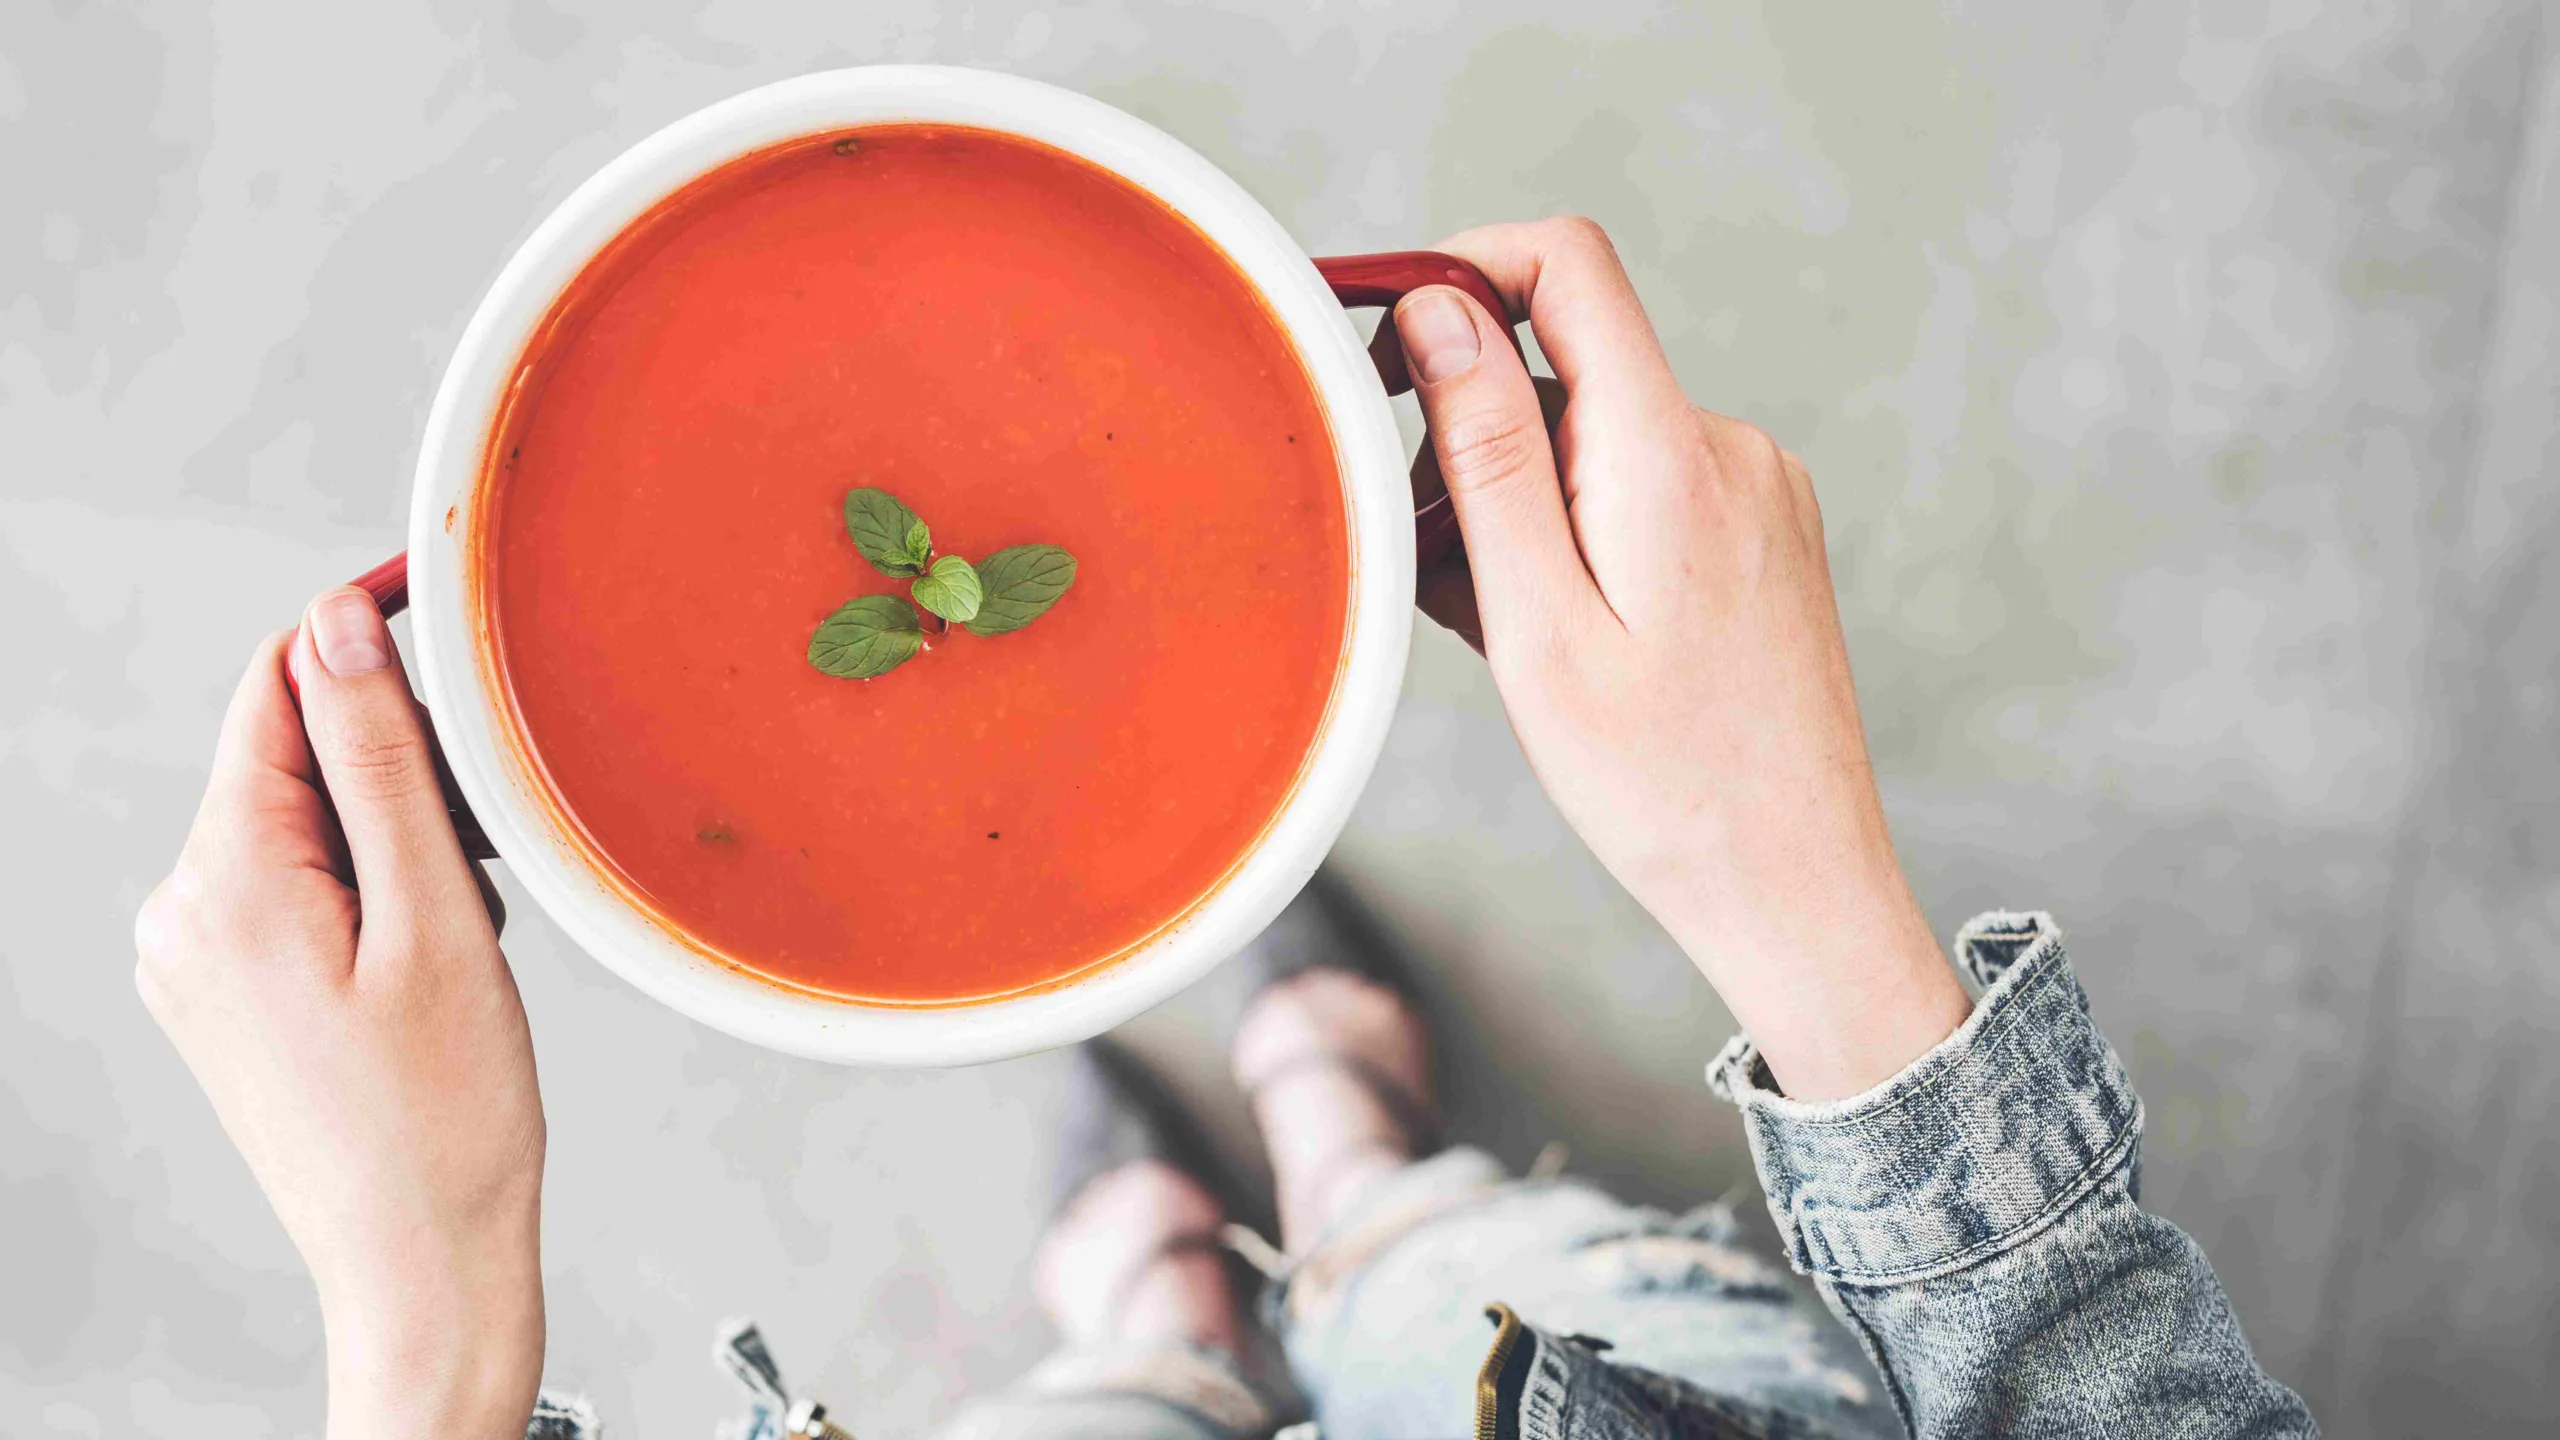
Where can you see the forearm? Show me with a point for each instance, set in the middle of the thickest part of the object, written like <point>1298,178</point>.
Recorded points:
<point>1974,1219</point>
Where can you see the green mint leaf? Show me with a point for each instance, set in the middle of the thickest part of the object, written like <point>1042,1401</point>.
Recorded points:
<point>1020,583</point>
<point>886,532</point>
<point>950,589</point>
<point>869,636</point>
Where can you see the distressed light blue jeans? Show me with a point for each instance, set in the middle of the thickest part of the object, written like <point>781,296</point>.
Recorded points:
<point>1972,1225</point>
<point>1386,1330</point>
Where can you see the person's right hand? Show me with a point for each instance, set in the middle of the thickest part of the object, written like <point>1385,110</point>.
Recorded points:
<point>1649,583</point>
<point>324,961</point>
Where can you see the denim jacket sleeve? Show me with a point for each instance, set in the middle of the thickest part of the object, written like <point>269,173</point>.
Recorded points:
<point>1974,1220</point>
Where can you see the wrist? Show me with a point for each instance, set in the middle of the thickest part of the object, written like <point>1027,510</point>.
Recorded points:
<point>1839,983</point>
<point>451,1350</point>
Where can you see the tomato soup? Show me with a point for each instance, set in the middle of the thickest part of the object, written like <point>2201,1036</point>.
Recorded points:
<point>1023,348</point>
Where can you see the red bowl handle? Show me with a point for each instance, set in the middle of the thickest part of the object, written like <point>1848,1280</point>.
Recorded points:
<point>1390,275</point>
<point>388,584</point>
<point>1383,279</point>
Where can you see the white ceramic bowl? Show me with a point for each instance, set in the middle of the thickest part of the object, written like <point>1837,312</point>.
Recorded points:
<point>553,867</point>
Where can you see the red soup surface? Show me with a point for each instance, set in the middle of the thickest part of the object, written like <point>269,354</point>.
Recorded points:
<point>1023,348</point>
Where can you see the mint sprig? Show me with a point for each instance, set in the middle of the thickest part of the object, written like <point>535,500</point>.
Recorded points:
<point>872,635</point>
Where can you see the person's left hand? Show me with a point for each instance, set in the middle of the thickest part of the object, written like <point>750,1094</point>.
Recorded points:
<point>323,959</point>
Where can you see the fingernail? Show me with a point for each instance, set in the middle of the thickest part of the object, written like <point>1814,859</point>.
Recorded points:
<point>1439,335</point>
<point>349,634</point>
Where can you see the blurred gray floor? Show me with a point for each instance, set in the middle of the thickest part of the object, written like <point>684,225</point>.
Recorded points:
<point>2180,382</point>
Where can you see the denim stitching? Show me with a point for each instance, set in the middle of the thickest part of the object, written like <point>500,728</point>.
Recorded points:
<point>2064,1199</point>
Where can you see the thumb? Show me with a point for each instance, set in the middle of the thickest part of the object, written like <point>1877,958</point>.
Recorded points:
<point>374,758</point>
<point>1490,438</point>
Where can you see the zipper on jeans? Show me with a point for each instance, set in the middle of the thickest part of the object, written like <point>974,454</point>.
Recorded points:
<point>1506,1339</point>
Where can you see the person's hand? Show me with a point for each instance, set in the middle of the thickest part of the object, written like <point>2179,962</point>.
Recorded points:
<point>323,960</point>
<point>1649,584</point>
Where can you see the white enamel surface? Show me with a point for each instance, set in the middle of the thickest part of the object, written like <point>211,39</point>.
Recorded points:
<point>553,868</point>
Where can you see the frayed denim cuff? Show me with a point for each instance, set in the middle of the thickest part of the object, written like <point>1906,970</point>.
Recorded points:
<point>1973,1148</point>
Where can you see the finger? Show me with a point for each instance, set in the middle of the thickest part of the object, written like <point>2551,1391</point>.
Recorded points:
<point>261,800</point>
<point>1445,591</point>
<point>373,755</point>
<point>1425,478</point>
<point>262,730</point>
<point>1490,440</point>
<point>1623,446</point>
<point>1566,277</point>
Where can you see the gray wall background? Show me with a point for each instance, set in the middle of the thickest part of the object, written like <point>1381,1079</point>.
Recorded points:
<point>2180,383</point>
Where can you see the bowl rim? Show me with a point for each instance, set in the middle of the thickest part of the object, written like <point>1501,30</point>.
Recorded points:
<point>498,783</point>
